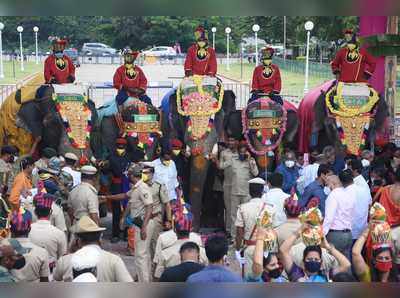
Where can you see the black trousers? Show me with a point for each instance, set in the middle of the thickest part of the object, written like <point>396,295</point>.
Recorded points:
<point>116,217</point>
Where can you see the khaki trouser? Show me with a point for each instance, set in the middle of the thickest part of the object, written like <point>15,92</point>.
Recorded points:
<point>158,228</point>
<point>236,200</point>
<point>142,253</point>
<point>248,255</point>
<point>227,204</point>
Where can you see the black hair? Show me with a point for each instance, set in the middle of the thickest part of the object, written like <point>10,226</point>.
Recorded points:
<point>276,180</point>
<point>311,248</point>
<point>256,190</point>
<point>42,212</point>
<point>87,177</point>
<point>69,161</point>
<point>76,273</point>
<point>26,162</point>
<point>397,175</point>
<point>88,238</point>
<point>188,246</point>
<point>343,277</point>
<point>324,169</point>
<point>216,248</point>
<point>267,260</point>
<point>350,157</point>
<point>393,275</point>
<point>346,177</point>
<point>182,234</point>
<point>356,165</point>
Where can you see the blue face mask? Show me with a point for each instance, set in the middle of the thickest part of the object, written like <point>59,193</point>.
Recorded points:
<point>59,54</point>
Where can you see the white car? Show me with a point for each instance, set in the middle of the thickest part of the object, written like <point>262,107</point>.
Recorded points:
<point>168,52</point>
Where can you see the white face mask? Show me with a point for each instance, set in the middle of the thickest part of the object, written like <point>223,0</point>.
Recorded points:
<point>365,163</point>
<point>327,190</point>
<point>266,188</point>
<point>345,167</point>
<point>289,163</point>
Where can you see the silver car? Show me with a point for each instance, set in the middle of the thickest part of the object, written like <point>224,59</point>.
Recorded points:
<point>98,49</point>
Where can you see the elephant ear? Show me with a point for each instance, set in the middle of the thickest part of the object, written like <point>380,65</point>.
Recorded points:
<point>233,125</point>
<point>291,126</point>
<point>31,116</point>
<point>382,112</point>
<point>319,112</point>
<point>229,102</point>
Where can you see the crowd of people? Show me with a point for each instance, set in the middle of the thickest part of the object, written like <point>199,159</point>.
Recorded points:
<point>51,219</point>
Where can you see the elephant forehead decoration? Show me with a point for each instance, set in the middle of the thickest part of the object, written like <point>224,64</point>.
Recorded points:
<point>352,106</point>
<point>71,104</point>
<point>199,98</point>
<point>264,123</point>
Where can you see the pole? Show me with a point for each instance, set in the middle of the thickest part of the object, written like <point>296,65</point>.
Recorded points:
<point>241,61</point>
<point>227,52</point>
<point>307,57</point>
<point>213,40</point>
<point>284,37</point>
<point>36,44</point>
<point>256,40</point>
<point>20,48</point>
<point>1,56</point>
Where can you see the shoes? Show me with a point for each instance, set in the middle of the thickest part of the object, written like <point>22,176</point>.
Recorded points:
<point>114,239</point>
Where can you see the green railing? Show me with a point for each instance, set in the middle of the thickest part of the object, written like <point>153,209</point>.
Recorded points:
<point>320,70</point>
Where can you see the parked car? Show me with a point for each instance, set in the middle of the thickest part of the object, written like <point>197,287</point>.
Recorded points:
<point>73,54</point>
<point>167,52</point>
<point>98,49</point>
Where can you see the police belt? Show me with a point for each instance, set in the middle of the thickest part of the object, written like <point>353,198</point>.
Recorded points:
<point>250,242</point>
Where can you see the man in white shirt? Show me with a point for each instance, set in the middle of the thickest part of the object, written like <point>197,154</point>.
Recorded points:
<point>310,172</point>
<point>71,159</point>
<point>356,168</point>
<point>276,197</point>
<point>339,211</point>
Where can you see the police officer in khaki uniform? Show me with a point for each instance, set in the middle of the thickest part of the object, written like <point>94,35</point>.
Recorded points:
<point>83,199</point>
<point>246,221</point>
<point>36,258</point>
<point>244,168</point>
<point>110,267</point>
<point>160,205</point>
<point>139,213</point>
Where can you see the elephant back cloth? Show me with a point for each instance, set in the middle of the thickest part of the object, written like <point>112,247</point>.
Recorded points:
<point>352,106</point>
<point>12,131</point>
<point>140,120</point>
<point>72,104</point>
<point>199,99</point>
<point>264,123</point>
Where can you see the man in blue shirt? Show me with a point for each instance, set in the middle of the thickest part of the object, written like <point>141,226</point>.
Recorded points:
<point>289,171</point>
<point>334,160</point>
<point>316,188</point>
<point>216,271</point>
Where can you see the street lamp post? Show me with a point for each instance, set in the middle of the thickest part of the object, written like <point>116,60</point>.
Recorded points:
<point>256,28</point>
<point>20,29</point>
<point>1,52</point>
<point>36,30</point>
<point>227,31</point>
<point>213,30</point>
<point>308,26</point>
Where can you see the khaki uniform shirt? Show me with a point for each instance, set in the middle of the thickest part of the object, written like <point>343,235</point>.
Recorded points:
<point>287,229</point>
<point>83,200</point>
<point>248,213</point>
<point>225,163</point>
<point>170,256</point>
<point>243,171</point>
<point>160,196</point>
<point>329,262</point>
<point>139,197</point>
<point>110,268</point>
<point>50,238</point>
<point>37,263</point>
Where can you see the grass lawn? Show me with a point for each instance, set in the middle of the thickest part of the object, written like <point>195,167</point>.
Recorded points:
<point>30,68</point>
<point>292,83</point>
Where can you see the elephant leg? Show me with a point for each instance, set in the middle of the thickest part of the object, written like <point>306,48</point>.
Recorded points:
<point>199,169</point>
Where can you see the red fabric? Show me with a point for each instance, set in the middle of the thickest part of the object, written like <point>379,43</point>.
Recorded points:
<point>267,85</point>
<point>289,106</point>
<point>121,141</point>
<point>392,209</point>
<point>51,70</point>
<point>122,80</point>
<point>207,66</point>
<point>351,72</point>
<point>306,115</point>
<point>175,143</point>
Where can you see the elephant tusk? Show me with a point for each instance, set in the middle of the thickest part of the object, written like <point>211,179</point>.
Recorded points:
<point>214,150</point>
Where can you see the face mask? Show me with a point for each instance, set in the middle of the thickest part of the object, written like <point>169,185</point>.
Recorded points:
<point>166,162</point>
<point>12,159</point>
<point>145,177</point>
<point>176,152</point>
<point>327,190</point>
<point>120,151</point>
<point>242,156</point>
<point>275,273</point>
<point>19,263</point>
<point>289,163</point>
<point>312,266</point>
<point>396,160</point>
<point>383,266</point>
<point>377,182</point>
<point>201,44</point>
<point>351,46</point>
<point>365,163</point>
<point>266,188</point>
<point>59,54</point>
<point>267,62</point>
<point>345,167</point>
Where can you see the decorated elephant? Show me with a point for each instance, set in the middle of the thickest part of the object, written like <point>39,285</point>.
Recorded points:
<point>197,111</point>
<point>350,114</point>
